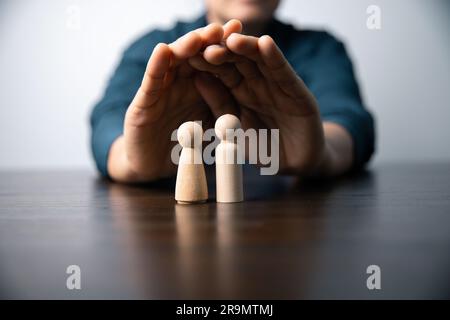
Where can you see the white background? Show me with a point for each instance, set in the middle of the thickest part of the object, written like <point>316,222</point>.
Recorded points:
<point>51,75</point>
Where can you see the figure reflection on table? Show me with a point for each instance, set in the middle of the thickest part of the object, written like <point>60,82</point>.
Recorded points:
<point>212,250</point>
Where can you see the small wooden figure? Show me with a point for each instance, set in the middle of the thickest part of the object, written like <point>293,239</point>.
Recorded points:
<point>191,186</point>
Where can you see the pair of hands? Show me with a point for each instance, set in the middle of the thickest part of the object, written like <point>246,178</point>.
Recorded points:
<point>209,72</point>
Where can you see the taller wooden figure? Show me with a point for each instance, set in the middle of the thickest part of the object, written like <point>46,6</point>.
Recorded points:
<point>229,185</point>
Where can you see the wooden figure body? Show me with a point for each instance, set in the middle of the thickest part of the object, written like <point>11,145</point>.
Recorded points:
<point>191,185</point>
<point>229,184</point>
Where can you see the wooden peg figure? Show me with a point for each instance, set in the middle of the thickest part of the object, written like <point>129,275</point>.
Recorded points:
<point>191,186</point>
<point>229,185</point>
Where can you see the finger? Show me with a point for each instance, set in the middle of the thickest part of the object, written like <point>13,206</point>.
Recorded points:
<point>229,76</point>
<point>278,67</point>
<point>211,34</point>
<point>232,26</point>
<point>250,119</point>
<point>256,83</point>
<point>191,43</point>
<point>256,94</point>
<point>219,53</point>
<point>244,45</point>
<point>249,70</point>
<point>155,73</point>
<point>185,70</point>
<point>227,73</point>
<point>215,94</point>
<point>186,46</point>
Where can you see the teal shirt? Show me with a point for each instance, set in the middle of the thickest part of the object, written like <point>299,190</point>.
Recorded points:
<point>317,57</point>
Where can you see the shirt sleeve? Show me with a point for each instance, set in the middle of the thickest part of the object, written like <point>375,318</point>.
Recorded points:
<point>330,77</point>
<point>107,116</point>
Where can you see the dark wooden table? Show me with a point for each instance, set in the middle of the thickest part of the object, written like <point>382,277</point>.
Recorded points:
<point>290,239</point>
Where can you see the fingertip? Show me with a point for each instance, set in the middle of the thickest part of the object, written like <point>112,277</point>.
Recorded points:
<point>158,46</point>
<point>241,44</point>
<point>162,47</point>
<point>233,36</point>
<point>266,37</point>
<point>266,41</point>
<point>196,41</point>
<point>214,27</point>
<point>232,26</point>
<point>160,57</point>
<point>212,33</point>
<point>237,23</point>
<point>233,40</point>
<point>215,54</point>
<point>271,53</point>
<point>187,45</point>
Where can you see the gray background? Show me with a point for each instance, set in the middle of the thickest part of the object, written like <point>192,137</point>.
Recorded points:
<point>52,73</point>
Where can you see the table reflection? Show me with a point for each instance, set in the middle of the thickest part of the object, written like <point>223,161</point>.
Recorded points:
<point>260,248</point>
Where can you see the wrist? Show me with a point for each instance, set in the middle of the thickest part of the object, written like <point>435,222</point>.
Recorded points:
<point>119,168</point>
<point>338,150</point>
<point>326,165</point>
<point>336,156</point>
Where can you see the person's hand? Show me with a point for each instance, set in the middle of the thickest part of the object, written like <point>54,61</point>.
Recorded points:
<point>166,98</point>
<point>249,76</point>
